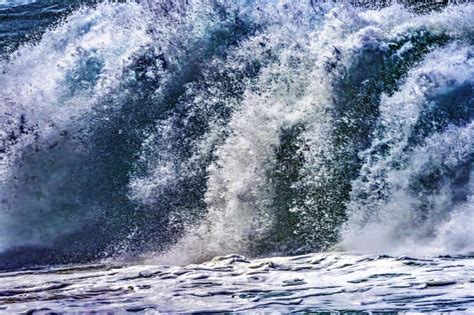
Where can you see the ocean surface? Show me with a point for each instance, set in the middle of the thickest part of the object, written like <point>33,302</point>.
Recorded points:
<point>322,151</point>
<point>315,283</point>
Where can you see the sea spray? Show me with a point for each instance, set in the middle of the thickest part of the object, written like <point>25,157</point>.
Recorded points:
<point>189,130</point>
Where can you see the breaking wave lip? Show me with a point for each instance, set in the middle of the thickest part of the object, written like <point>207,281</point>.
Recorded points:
<point>201,129</point>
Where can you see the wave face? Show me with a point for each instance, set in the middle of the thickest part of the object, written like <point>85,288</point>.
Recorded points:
<point>205,128</point>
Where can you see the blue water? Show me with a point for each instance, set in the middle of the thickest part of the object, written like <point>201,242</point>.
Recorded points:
<point>25,21</point>
<point>195,129</point>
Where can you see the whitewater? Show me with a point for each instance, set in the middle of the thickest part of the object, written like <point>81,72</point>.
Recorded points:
<point>236,155</point>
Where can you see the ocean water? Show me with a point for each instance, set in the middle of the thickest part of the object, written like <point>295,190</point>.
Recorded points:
<point>315,283</point>
<point>138,136</point>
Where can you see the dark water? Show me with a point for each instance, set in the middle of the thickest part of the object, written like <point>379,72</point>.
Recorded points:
<point>25,21</point>
<point>203,128</point>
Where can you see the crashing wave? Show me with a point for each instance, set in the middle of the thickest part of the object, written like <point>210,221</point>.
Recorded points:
<point>204,128</point>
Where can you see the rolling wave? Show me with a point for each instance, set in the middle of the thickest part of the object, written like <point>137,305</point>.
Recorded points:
<point>204,128</point>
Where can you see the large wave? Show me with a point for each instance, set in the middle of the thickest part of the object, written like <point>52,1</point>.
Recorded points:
<point>203,128</point>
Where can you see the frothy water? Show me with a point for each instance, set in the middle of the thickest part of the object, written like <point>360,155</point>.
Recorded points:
<point>316,283</point>
<point>185,131</point>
